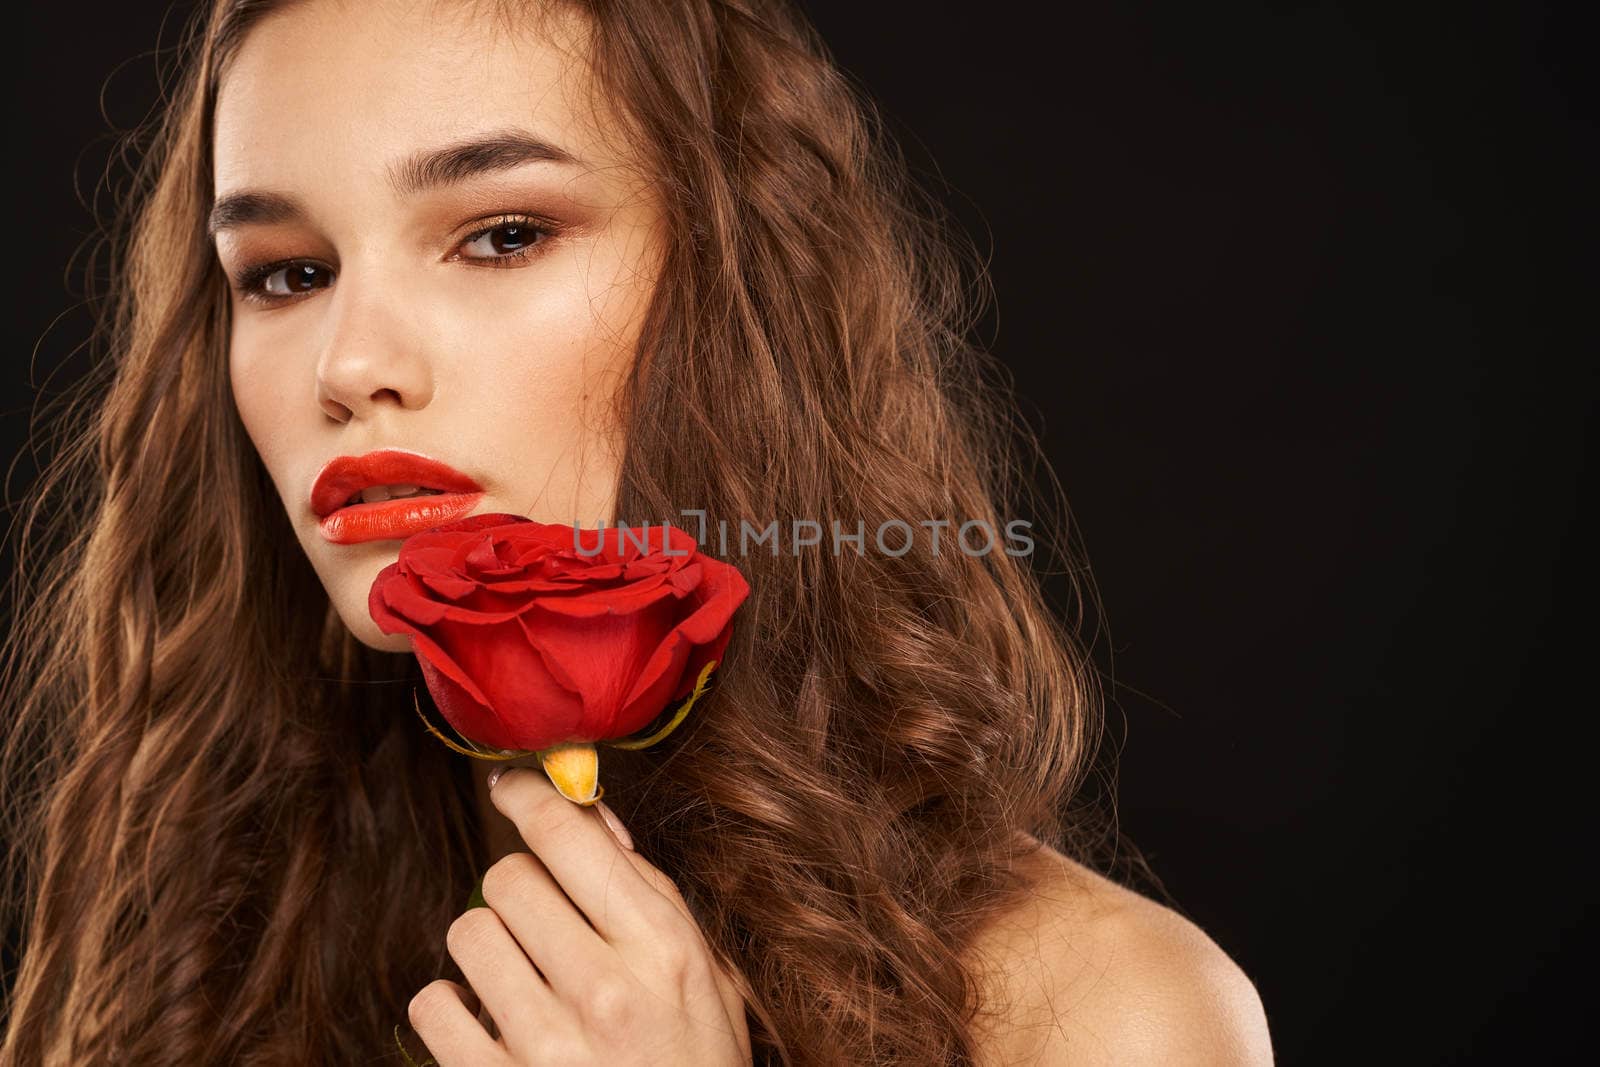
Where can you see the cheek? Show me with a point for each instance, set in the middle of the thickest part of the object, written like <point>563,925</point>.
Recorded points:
<point>560,372</point>
<point>538,398</point>
<point>544,369</point>
<point>260,395</point>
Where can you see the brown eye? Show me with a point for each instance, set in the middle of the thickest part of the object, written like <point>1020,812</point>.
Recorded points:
<point>507,240</point>
<point>297,278</point>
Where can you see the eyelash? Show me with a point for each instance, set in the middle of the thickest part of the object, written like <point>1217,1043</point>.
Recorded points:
<point>249,282</point>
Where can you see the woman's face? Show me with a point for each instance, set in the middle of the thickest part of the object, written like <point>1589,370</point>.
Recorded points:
<point>479,306</point>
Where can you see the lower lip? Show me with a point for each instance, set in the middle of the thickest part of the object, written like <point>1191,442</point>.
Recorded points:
<point>393,520</point>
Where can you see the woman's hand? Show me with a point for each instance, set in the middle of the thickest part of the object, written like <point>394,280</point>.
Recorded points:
<point>586,954</point>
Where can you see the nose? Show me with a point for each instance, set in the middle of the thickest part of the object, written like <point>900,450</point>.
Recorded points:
<point>371,360</point>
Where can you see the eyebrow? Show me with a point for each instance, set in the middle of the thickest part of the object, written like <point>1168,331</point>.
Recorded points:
<point>431,168</point>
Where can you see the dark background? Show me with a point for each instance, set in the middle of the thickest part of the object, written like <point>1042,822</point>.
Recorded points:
<point>1282,286</point>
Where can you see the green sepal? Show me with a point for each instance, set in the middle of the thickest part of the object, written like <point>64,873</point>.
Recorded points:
<point>405,1055</point>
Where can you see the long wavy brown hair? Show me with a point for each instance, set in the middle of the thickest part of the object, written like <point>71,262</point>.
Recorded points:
<point>231,840</point>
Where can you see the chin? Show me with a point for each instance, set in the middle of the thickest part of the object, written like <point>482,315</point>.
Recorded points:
<point>367,632</point>
<point>348,587</point>
<point>358,620</point>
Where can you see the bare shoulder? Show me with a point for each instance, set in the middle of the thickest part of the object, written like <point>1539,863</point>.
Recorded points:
<point>1088,972</point>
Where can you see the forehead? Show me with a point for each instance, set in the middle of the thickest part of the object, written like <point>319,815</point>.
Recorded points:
<point>337,89</point>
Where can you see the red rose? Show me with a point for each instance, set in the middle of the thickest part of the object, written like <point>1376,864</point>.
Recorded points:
<point>526,642</point>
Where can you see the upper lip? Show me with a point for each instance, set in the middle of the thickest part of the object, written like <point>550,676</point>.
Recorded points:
<point>344,476</point>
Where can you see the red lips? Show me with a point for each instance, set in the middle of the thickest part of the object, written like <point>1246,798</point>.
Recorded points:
<point>389,519</point>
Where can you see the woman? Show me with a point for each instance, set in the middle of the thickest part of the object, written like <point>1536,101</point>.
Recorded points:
<point>605,259</point>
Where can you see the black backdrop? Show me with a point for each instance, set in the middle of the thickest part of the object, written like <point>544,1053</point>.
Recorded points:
<point>1281,285</point>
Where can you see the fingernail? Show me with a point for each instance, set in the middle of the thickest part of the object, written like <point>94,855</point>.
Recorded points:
<point>623,837</point>
<point>494,775</point>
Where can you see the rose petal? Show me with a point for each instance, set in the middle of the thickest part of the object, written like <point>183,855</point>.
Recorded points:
<point>532,709</point>
<point>447,586</point>
<point>469,718</point>
<point>601,654</point>
<point>406,599</point>
<point>657,680</point>
<point>531,641</point>
<point>430,651</point>
<point>693,642</point>
<point>626,600</point>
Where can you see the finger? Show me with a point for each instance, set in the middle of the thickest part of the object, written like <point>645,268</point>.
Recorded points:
<point>514,994</point>
<point>614,824</point>
<point>549,929</point>
<point>479,1012</point>
<point>729,988</point>
<point>583,856</point>
<point>657,880</point>
<point>454,1037</point>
